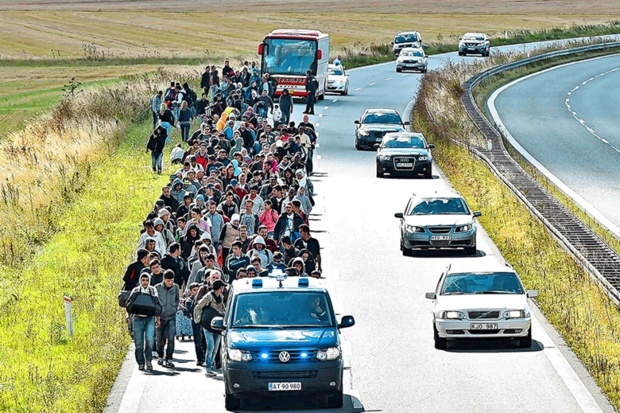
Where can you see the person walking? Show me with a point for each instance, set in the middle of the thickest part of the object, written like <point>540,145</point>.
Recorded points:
<point>143,326</point>
<point>185,120</point>
<point>214,300</point>
<point>167,118</point>
<point>156,144</point>
<point>165,324</point>
<point>312,85</point>
<point>156,102</point>
<point>286,107</point>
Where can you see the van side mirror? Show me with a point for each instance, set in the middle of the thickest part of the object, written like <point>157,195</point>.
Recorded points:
<point>406,123</point>
<point>477,214</point>
<point>431,296</point>
<point>357,122</point>
<point>431,146</point>
<point>398,215</point>
<point>217,324</point>
<point>532,294</point>
<point>346,321</point>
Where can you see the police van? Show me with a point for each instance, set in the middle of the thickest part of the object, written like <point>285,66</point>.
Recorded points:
<point>281,336</point>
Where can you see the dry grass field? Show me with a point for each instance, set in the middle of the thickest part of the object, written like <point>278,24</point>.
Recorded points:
<point>119,28</point>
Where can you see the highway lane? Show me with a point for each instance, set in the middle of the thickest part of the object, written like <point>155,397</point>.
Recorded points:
<point>565,118</point>
<point>393,364</point>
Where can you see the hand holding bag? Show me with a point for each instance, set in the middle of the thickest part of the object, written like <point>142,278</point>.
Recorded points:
<point>208,314</point>
<point>144,304</point>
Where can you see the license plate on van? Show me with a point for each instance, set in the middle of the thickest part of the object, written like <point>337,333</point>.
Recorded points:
<point>289,386</point>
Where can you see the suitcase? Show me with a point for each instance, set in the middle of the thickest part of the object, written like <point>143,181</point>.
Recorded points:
<point>184,326</point>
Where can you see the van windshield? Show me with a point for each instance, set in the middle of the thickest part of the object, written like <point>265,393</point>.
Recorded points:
<point>405,38</point>
<point>281,309</point>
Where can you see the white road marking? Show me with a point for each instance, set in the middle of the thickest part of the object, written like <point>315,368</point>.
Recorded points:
<point>317,145</point>
<point>317,125</point>
<point>388,78</point>
<point>320,115</point>
<point>318,157</point>
<point>134,391</point>
<point>604,140</point>
<point>359,88</point>
<point>372,84</point>
<point>335,100</point>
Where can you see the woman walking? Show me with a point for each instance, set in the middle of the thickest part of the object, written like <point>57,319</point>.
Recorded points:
<point>166,118</point>
<point>185,120</point>
<point>156,144</point>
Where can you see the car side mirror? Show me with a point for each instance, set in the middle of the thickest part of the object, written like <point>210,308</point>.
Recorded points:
<point>346,321</point>
<point>217,323</point>
<point>406,123</point>
<point>532,294</point>
<point>399,215</point>
<point>357,122</point>
<point>431,296</point>
<point>477,214</point>
<point>391,43</point>
<point>431,146</point>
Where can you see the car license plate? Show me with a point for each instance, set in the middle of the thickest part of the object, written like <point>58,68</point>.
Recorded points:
<point>441,237</point>
<point>483,326</point>
<point>471,48</point>
<point>290,386</point>
<point>404,164</point>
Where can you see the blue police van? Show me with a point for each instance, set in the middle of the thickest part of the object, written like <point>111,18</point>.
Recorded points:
<point>281,336</point>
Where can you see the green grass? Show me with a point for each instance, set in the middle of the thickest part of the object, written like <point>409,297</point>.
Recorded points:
<point>577,307</point>
<point>43,370</point>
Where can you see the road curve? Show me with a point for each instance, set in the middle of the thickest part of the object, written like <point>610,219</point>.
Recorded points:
<point>564,118</point>
<point>393,364</point>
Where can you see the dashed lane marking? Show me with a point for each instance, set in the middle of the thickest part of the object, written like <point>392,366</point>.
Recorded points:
<point>359,88</point>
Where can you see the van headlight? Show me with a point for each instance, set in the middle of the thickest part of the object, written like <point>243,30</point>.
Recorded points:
<point>332,353</point>
<point>514,314</point>
<point>239,355</point>
<point>451,315</point>
<point>363,132</point>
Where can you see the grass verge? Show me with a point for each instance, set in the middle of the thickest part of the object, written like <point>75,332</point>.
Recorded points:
<point>569,298</point>
<point>43,370</point>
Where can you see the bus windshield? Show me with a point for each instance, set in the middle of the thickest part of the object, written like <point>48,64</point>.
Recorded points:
<point>289,56</point>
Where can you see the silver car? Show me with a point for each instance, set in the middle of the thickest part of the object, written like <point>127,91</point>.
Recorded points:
<point>437,221</point>
<point>481,298</point>
<point>411,58</point>
<point>474,43</point>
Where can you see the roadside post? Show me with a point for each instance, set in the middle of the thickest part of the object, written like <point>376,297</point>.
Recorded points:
<point>68,316</point>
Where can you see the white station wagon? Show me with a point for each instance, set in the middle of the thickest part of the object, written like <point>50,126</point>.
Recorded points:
<point>481,298</point>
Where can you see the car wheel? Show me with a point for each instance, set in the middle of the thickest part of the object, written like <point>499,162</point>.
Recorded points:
<point>461,53</point>
<point>379,173</point>
<point>335,401</point>
<point>526,342</point>
<point>470,250</point>
<point>425,70</point>
<point>346,91</point>
<point>231,402</point>
<point>440,343</point>
<point>398,70</point>
<point>407,252</point>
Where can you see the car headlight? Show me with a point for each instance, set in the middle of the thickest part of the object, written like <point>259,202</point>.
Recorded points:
<point>332,353</point>
<point>239,355</point>
<point>452,315</point>
<point>514,314</point>
<point>384,157</point>
<point>424,158</point>
<point>363,132</point>
<point>412,228</point>
<point>465,228</point>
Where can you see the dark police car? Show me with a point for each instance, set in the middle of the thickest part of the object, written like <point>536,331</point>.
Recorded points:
<point>280,335</point>
<point>404,153</point>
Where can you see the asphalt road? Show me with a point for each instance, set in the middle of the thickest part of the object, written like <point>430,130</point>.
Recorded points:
<point>566,119</point>
<point>393,366</point>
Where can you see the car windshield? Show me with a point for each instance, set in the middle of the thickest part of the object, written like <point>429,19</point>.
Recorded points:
<point>481,283</point>
<point>480,38</point>
<point>378,117</point>
<point>281,309</point>
<point>412,53</point>
<point>403,142</point>
<point>439,206</point>
<point>406,38</point>
<point>336,72</point>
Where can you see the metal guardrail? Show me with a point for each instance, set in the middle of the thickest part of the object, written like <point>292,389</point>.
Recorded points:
<point>590,251</point>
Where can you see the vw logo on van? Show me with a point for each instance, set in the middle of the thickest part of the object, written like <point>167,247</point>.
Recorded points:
<point>284,356</point>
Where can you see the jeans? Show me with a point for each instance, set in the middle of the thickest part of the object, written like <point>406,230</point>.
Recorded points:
<point>185,130</point>
<point>157,161</point>
<point>286,117</point>
<point>198,339</point>
<point>165,333</point>
<point>168,127</point>
<point>143,332</point>
<point>155,119</point>
<point>213,342</point>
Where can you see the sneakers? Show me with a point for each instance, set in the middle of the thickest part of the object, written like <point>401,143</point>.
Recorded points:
<point>210,373</point>
<point>168,364</point>
<point>200,363</point>
<point>160,362</point>
<point>149,366</point>
<point>217,370</point>
<point>141,367</point>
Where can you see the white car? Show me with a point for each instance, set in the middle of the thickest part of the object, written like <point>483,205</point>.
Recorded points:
<point>337,79</point>
<point>481,298</point>
<point>474,43</point>
<point>412,58</point>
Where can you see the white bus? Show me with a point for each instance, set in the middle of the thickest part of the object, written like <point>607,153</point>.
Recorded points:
<point>288,53</point>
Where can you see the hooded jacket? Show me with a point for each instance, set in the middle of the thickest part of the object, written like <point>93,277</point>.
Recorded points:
<point>177,192</point>
<point>264,254</point>
<point>169,299</point>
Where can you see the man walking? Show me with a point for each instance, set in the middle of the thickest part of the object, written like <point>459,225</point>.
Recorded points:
<point>312,85</point>
<point>143,326</point>
<point>168,293</point>
<point>156,102</point>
